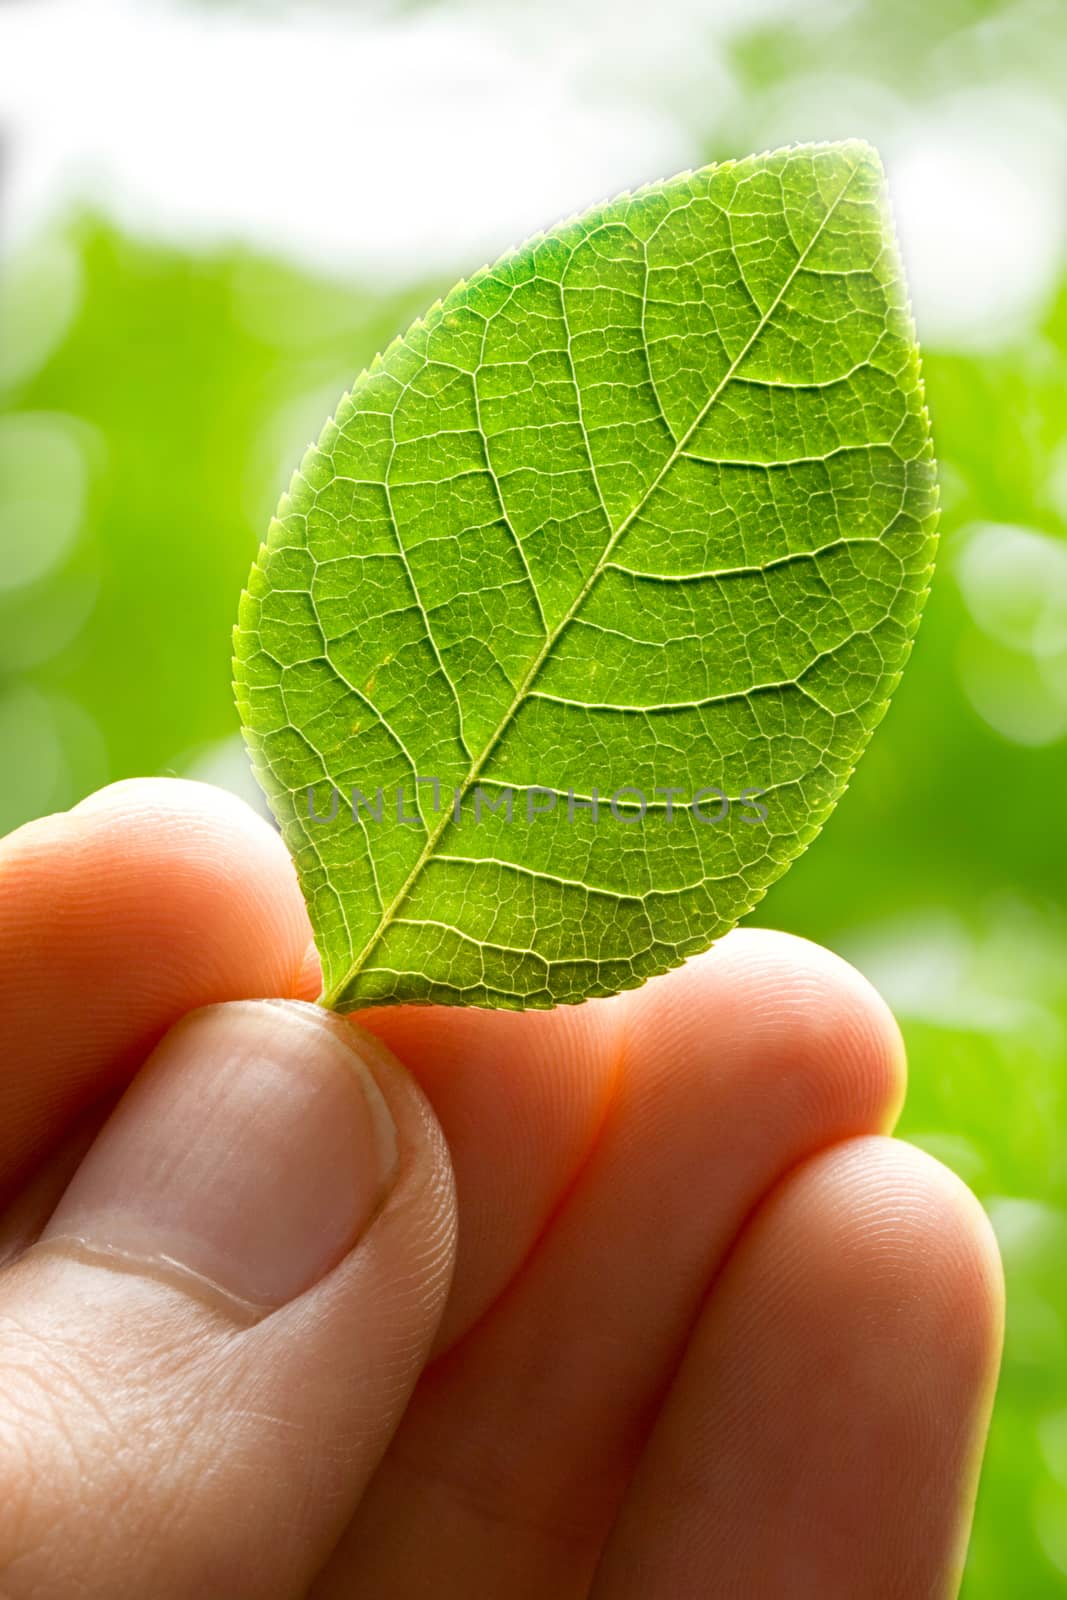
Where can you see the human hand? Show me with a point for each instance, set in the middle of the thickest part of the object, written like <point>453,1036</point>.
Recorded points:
<point>708,1332</point>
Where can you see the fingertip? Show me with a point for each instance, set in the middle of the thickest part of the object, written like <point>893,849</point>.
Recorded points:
<point>149,899</point>
<point>906,1243</point>
<point>210,833</point>
<point>812,1030</point>
<point>824,1432</point>
<point>836,1010</point>
<point>884,1269</point>
<point>165,795</point>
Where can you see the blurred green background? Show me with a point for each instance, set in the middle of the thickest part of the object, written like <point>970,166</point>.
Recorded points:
<point>190,282</point>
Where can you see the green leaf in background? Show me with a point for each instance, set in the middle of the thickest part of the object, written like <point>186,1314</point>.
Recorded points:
<point>573,625</point>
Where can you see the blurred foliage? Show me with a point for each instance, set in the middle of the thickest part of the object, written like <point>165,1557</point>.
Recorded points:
<point>155,402</point>
<point>910,45</point>
<point>191,386</point>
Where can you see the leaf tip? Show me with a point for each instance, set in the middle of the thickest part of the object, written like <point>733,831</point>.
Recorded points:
<point>862,154</point>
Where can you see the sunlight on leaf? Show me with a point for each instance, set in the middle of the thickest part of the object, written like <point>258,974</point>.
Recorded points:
<point>573,625</point>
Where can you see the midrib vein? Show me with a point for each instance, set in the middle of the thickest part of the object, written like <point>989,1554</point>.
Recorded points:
<point>329,997</point>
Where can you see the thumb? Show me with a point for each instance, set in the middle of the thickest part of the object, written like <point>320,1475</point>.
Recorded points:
<point>205,1354</point>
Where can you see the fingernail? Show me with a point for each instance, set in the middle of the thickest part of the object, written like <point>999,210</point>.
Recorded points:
<point>251,1152</point>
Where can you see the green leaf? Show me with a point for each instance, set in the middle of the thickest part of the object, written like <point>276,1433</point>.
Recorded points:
<point>648,505</point>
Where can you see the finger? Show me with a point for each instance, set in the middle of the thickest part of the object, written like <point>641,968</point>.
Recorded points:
<point>158,896</point>
<point>206,1353</point>
<point>149,899</point>
<point>513,1456</point>
<point>521,1099</point>
<point>822,1438</point>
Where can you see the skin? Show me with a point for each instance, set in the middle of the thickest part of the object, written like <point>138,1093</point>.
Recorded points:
<point>651,1305</point>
